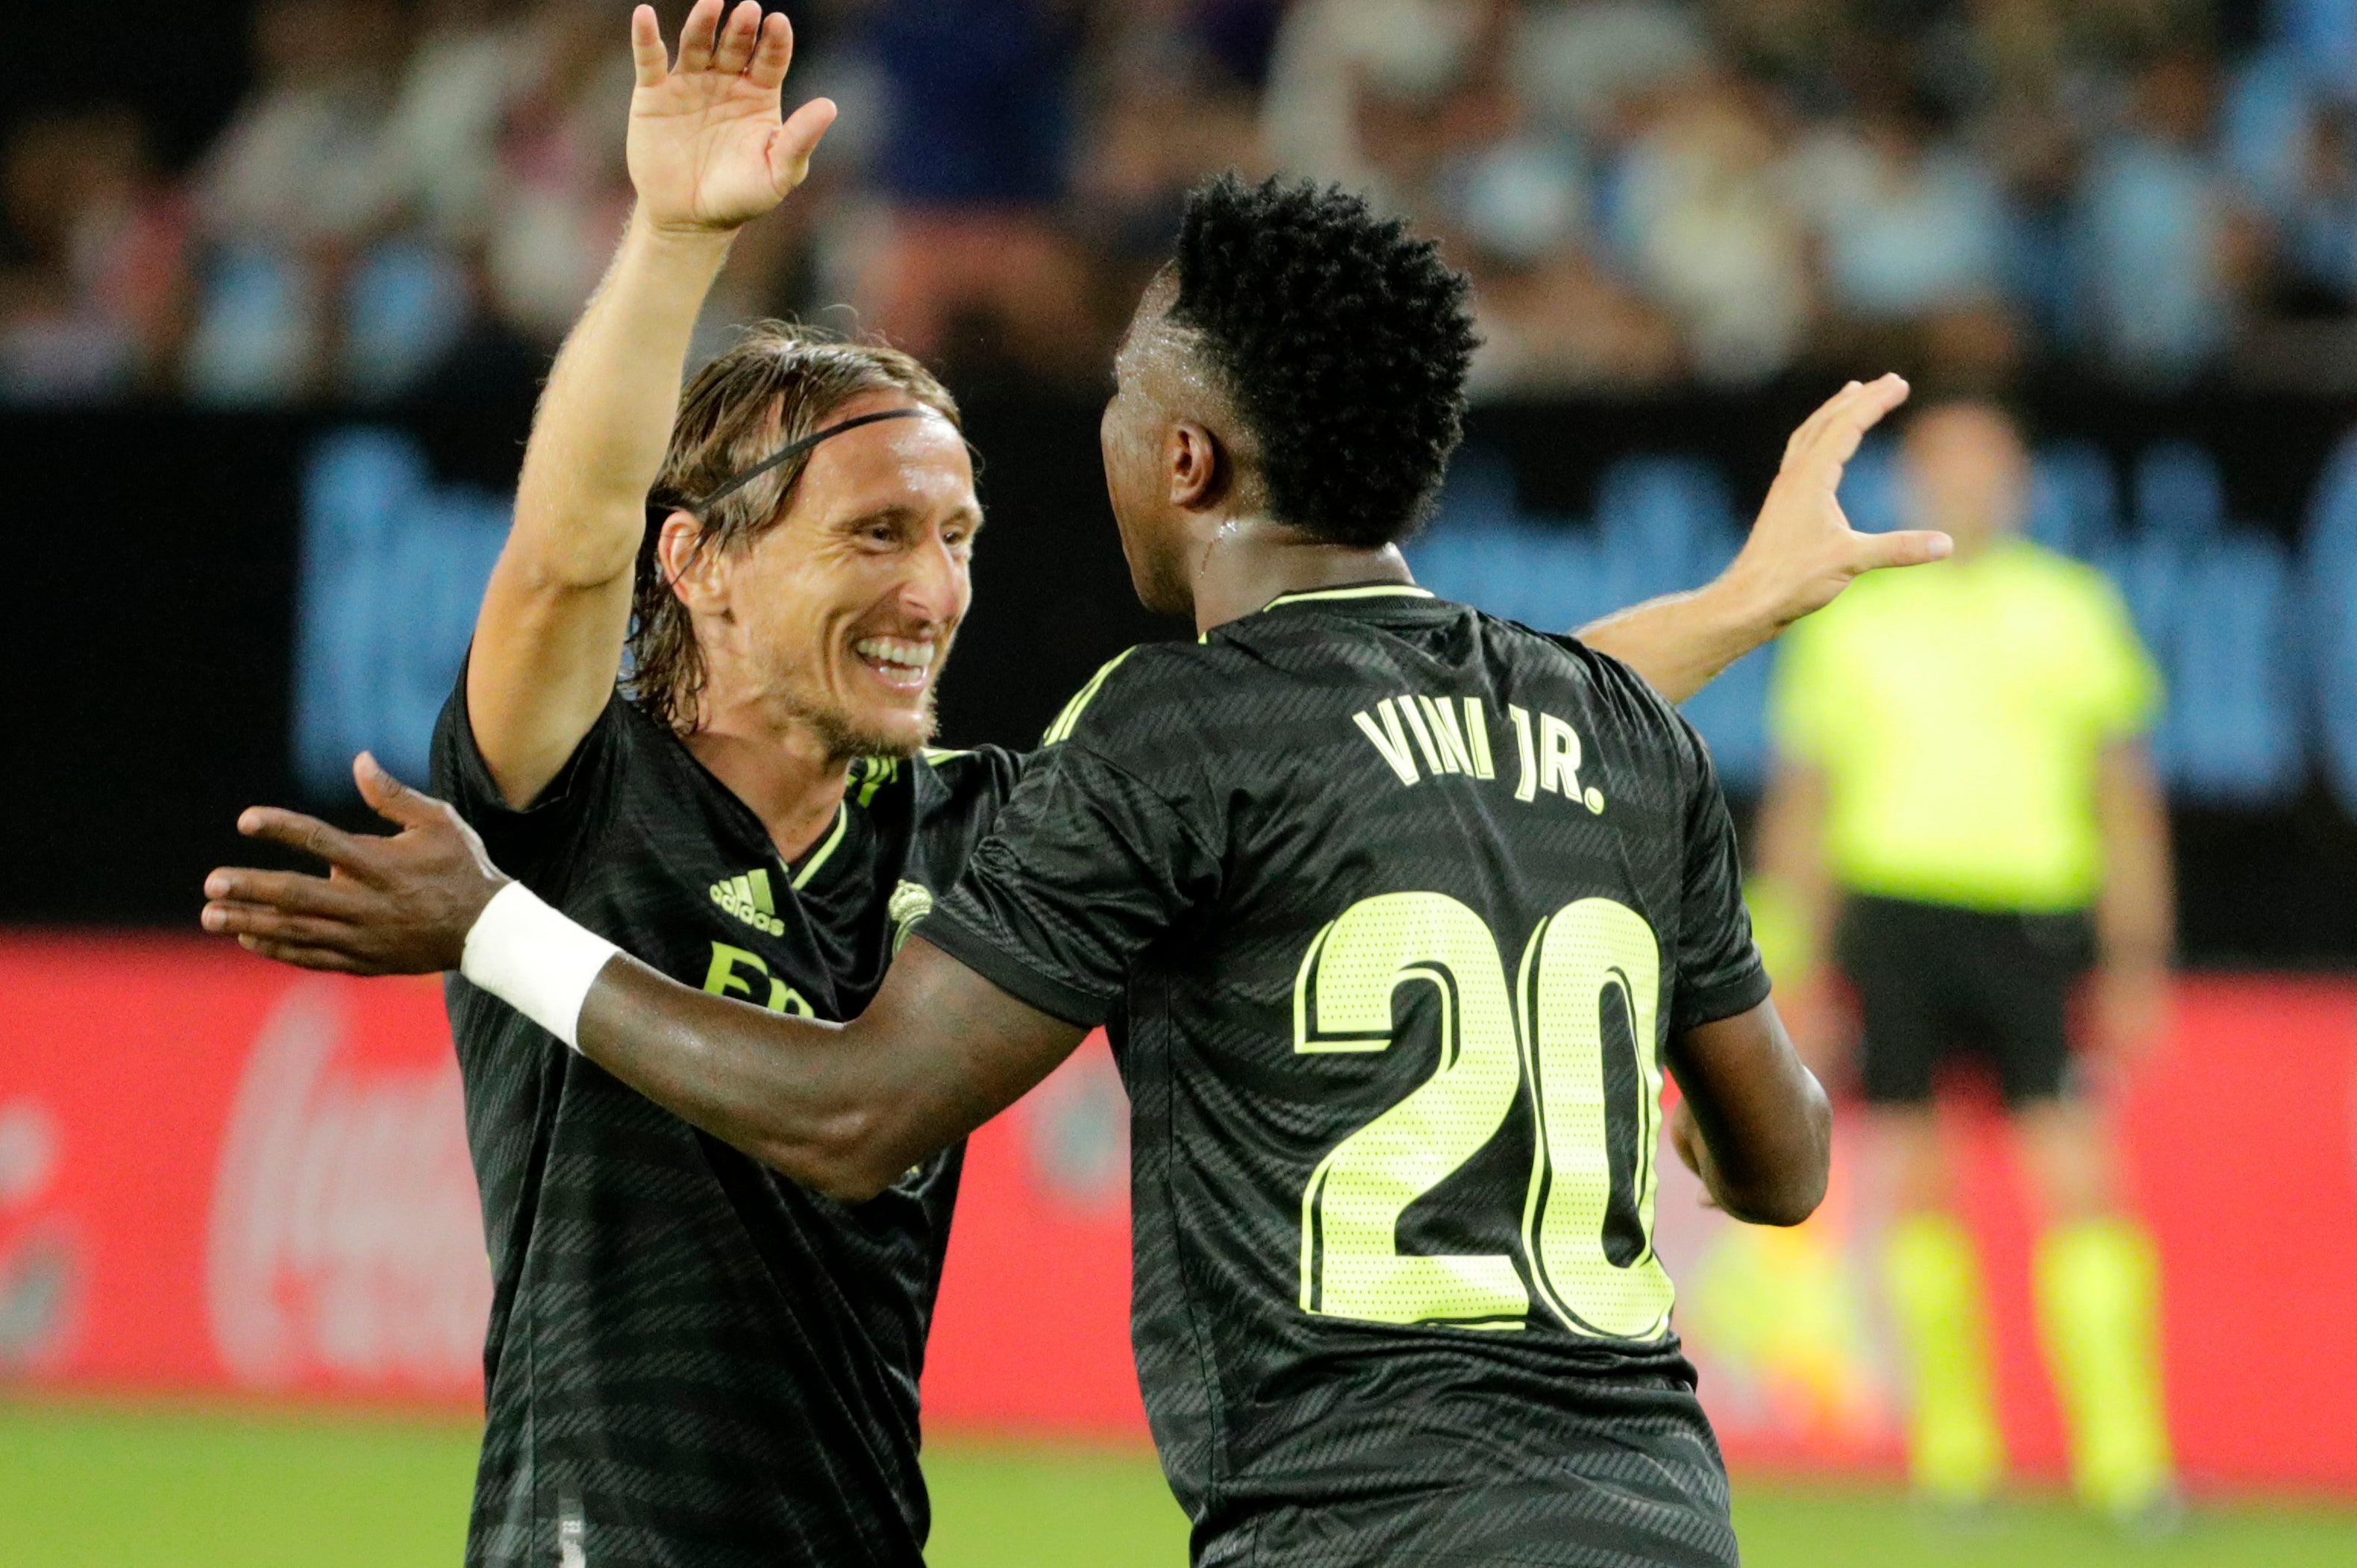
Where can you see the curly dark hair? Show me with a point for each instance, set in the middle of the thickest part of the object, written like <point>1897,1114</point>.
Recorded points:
<point>1345,341</point>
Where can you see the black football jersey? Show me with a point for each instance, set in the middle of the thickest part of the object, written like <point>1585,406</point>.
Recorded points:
<point>693,1360</point>
<point>1391,906</point>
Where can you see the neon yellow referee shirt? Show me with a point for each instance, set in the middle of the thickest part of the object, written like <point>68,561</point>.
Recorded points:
<point>1957,711</point>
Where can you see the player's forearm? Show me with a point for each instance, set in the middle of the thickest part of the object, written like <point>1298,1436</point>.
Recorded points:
<point>1781,1180</point>
<point>599,436</point>
<point>1680,642</point>
<point>1765,1121</point>
<point>847,1111</point>
<point>795,1093</point>
<point>2135,915</point>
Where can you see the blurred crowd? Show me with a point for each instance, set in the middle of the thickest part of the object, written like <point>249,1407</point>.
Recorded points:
<point>415,195</point>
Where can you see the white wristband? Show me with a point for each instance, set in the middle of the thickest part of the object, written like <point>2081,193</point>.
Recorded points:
<point>536,961</point>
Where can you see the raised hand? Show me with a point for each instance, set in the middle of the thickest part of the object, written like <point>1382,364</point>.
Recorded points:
<point>402,905</point>
<point>707,148</point>
<point>1802,552</point>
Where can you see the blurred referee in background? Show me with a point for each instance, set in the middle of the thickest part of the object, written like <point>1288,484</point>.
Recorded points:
<point>1961,801</point>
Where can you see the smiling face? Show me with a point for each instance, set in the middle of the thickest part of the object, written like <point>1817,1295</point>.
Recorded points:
<point>840,617</point>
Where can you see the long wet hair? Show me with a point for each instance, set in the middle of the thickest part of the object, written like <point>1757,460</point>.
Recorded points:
<point>779,383</point>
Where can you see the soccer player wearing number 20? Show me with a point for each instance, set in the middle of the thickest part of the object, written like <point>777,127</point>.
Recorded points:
<point>1396,913</point>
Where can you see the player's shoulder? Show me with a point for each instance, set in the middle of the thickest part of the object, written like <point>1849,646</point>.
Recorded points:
<point>1598,680</point>
<point>986,774</point>
<point>2064,581</point>
<point>1144,691</point>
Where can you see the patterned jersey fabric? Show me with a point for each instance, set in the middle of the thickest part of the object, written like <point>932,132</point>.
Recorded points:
<point>693,1360</point>
<point>1390,906</point>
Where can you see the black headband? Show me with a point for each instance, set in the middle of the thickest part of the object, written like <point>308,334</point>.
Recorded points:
<point>788,453</point>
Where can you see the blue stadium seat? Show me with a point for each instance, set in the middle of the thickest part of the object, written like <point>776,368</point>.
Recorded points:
<point>2074,500</point>
<point>1483,550</point>
<point>2180,494</point>
<point>1870,494</point>
<point>406,307</point>
<point>2232,734</point>
<point>2264,126</point>
<point>2215,607</point>
<point>254,328</point>
<point>393,570</point>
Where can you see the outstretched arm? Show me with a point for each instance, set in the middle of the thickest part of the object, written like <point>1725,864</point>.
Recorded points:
<point>940,1051</point>
<point>1801,553</point>
<point>708,152</point>
<point>841,1108</point>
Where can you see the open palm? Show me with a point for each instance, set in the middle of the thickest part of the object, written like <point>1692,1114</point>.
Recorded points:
<point>1803,548</point>
<point>707,146</point>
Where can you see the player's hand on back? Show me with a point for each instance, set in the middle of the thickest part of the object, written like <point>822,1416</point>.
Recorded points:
<point>402,905</point>
<point>1802,552</point>
<point>708,148</point>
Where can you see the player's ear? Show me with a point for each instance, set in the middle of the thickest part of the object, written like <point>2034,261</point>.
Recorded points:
<point>1193,459</point>
<point>683,552</point>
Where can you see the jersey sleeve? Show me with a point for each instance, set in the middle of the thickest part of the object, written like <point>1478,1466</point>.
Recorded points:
<point>525,842</point>
<point>1102,849</point>
<point>1716,967</point>
<point>2122,689</point>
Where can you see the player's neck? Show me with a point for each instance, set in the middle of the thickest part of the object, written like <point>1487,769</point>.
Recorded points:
<point>1244,562</point>
<point>1973,543</point>
<point>783,770</point>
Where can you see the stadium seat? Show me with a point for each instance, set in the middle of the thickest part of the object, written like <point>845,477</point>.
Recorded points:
<point>2074,500</point>
<point>2180,494</point>
<point>2215,606</point>
<point>254,328</point>
<point>1484,550</point>
<point>1869,488</point>
<point>2231,735</point>
<point>406,305</point>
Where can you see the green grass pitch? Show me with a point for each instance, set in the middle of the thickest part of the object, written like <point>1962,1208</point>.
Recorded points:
<point>86,1485</point>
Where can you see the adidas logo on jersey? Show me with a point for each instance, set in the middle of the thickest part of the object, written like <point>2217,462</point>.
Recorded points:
<point>748,898</point>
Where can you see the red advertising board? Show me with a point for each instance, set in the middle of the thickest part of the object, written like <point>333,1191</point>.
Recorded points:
<point>220,1176</point>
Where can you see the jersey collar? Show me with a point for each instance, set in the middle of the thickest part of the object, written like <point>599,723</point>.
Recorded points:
<point>1349,592</point>
<point>815,857</point>
<point>1343,595</point>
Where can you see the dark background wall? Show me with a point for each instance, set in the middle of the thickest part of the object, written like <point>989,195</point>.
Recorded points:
<point>157,561</point>
<point>183,62</point>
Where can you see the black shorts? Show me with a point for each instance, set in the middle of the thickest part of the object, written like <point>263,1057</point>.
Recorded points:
<point>1934,982</point>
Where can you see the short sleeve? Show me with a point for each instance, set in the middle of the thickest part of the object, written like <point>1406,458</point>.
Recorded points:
<point>1087,866</point>
<point>2121,688</point>
<point>1718,970</point>
<point>524,842</point>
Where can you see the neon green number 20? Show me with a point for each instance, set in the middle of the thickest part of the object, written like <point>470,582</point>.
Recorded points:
<point>1578,1029</point>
